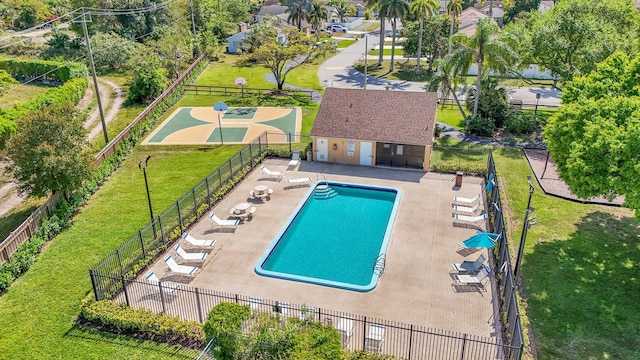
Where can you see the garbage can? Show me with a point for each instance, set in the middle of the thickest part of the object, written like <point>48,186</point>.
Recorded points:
<point>459,178</point>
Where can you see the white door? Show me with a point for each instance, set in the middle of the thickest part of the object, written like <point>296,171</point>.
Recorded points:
<point>323,150</point>
<point>365,153</point>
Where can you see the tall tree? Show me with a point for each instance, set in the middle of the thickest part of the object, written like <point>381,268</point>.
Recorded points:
<point>485,49</point>
<point>446,80</point>
<point>48,153</point>
<point>282,56</point>
<point>594,136</point>
<point>576,34</point>
<point>454,8</point>
<point>422,8</point>
<point>344,9</point>
<point>298,11</point>
<point>376,5</point>
<point>435,38</point>
<point>394,9</point>
<point>317,15</point>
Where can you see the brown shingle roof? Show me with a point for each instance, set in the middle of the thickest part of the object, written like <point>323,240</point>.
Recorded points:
<point>401,117</point>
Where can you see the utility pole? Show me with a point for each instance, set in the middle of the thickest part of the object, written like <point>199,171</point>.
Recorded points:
<point>193,23</point>
<point>366,50</point>
<point>95,79</point>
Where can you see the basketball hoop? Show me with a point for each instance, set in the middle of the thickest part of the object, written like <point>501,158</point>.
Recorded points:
<point>240,81</point>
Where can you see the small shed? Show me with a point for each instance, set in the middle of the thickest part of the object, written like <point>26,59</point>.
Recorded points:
<point>375,128</point>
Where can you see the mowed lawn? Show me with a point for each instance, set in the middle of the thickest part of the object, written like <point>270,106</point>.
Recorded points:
<point>37,313</point>
<point>580,270</point>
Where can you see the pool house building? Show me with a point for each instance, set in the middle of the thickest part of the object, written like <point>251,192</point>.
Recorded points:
<point>375,128</point>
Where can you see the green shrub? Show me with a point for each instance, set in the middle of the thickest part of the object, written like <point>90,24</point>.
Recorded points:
<point>363,355</point>
<point>520,122</point>
<point>317,341</point>
<point>52,70</point>
<point>479,126</point>
<point>127,319</point>
<point>224,324</point>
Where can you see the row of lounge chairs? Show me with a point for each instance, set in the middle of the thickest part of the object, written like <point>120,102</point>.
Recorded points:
<point>471,273</point>
<point>465,210</point>
<point>278,176</point>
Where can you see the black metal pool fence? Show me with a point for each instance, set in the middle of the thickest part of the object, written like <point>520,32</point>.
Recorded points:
<point>108,276</point>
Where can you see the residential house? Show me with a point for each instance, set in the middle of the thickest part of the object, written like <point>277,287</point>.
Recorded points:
<point>546,5</point>
<point>375,128</point>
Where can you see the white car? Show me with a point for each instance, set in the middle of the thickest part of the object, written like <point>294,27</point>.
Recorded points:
<point>338,28</point>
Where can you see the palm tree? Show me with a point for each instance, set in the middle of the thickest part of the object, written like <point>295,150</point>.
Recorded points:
<point>394,9</point>
<point>298,10</point>
<point>342,9</point>
<point>376,5</point>
<point>316,16</point>
<point>483,48</point>
<point>445,81</point>
<point>422,8</point>
<point>454,8</point>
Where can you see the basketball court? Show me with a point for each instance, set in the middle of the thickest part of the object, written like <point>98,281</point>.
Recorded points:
<point>199,126</point>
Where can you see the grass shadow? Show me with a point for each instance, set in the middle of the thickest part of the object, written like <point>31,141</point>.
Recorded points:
<point>583,292</point>
<point>11,221</point>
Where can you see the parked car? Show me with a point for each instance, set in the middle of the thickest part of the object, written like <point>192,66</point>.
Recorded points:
<point>338,28</point>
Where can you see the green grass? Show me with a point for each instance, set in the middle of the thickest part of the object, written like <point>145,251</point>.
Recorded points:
<point>37,313</point>
<point>21,93</point>
<point>404,70</point>
<point>580,270</point>
<point>386,52</point>
<point>225,72</point>
<point>451,116</point>
<point>345,43</point>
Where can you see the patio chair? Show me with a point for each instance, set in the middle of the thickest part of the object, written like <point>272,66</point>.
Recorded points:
<point>166,286</point>
<point>254,303</point>
<point>459,200</point>
<point>295,159</point>
<point>373,340</point>
<point>196,242</point>
<point>299,182</point>
<point>216,221</point>
<point>475,280</point>
<point>466,210</point>
<point>277,175</point>
<point>469,266</point>
<point>345,328</point>
<point>469,220</point>
<point>180,269</point>
<point>189,255</point>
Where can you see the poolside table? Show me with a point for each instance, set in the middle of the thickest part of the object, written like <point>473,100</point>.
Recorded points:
<point>261,192</point>
<point>242,211</point>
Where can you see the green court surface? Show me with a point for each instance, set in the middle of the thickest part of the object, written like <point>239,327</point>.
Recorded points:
<point>231,135</point>
<point>240,113</point>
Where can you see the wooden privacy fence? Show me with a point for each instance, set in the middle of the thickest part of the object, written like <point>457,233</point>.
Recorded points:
<point>28,227</point>
<point>404,341</point>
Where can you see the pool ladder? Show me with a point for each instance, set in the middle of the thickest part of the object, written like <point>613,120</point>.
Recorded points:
<point>378,265</point>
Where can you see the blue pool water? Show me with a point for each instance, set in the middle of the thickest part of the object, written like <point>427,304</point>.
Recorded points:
<point>334,237</point>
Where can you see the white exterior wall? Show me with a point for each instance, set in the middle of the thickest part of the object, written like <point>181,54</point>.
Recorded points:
<point>532,72</point>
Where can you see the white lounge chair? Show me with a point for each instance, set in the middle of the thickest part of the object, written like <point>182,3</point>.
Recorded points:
<point>469,266</point>
<point>466,210</point>
<point>272,174</point>
<point>345,328</point>
<point>181,269</point>
<point>190,256</point>
<point>216,221</point>
<point>295,159</point>
<point>282,308</point>
<point>373,340</point>
<point>459,200</point>
<point>166,286</point>
<point>475,280</point>
<point>195,242</point>
<point>307,313</point>
<point>470,220</point>
<point>299,182</point>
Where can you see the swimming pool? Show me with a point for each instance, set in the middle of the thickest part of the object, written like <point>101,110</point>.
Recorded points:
<point>337,237</point>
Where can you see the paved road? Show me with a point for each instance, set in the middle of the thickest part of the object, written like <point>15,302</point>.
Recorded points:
<point>338,71</point>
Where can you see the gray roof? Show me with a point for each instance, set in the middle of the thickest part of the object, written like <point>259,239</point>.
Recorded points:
<point>272,10</point>
<point>401,117</point>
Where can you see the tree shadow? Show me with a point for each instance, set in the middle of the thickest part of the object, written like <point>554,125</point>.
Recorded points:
<point>583,291</point>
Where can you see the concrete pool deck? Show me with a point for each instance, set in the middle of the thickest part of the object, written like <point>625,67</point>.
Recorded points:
<point>416,287</point>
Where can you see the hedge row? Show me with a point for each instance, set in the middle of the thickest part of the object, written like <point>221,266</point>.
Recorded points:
<point>71,91</point>
<point>45,70</point>
<point>26,254</point>
<point>123,319</point>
